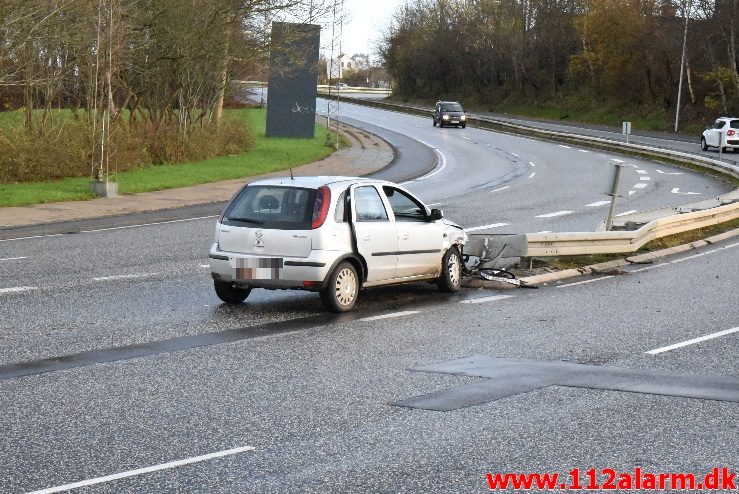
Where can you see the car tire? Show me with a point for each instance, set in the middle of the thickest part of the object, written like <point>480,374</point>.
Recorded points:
<point>434,122</point>
<point>229,293</point>
<point>441,123</point>
<point>463,126</point>
<point>451,271</point>
<point>342,289</point>
<point>704,146</point>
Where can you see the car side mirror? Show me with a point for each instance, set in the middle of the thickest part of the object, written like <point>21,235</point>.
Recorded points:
<point>436,214</point>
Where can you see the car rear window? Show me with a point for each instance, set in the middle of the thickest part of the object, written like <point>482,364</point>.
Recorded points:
<point>451,107</point>
<point>272,207</point>
<point>734,124</point>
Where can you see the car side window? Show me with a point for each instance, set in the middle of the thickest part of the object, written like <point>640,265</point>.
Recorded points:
<point>719,124</point>
<point>340,214</point>
<point>404,207</point>
<point>368,204</point>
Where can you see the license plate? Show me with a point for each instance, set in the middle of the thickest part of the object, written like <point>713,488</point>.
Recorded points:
<point>257,268</point>
<point>455,121</point>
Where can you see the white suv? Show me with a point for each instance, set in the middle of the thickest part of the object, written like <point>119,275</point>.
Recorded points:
<point>724,132</point>
<point>333,235</point>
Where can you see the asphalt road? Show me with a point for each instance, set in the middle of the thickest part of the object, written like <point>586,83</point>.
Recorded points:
<point>116,355</point>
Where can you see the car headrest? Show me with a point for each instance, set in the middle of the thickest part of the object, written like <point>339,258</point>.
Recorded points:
<point>268,202</point>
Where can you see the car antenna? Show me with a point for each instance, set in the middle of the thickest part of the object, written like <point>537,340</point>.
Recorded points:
<point>291,173</point>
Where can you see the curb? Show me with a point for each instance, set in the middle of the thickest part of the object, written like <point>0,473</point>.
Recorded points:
<point>599,268</point>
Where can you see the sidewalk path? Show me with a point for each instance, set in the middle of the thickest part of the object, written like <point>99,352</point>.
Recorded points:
<point>367,154</point>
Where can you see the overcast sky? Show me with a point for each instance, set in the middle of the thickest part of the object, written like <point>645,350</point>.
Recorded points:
<point>367,18</point>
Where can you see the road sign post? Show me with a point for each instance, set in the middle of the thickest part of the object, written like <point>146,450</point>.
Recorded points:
<point>626,130</point>
<point>614,194</point>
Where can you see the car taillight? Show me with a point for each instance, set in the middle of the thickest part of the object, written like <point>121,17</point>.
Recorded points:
<point>730,132</point>
<point>320,208</point>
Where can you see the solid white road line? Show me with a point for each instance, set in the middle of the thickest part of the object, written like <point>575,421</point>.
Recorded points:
<point>583,150</point>
<point>32,236</point>
<point>438,170</point>
<point>484,299</point>
<point>149,224</point>
<point>693,341</point>
<point>649,267</point>
<point>502,188</point>
<point>532,175</point>
<point>552,215</point>
<point>640,186</point>
<point>669,173</point>
<point>388,316</point>
<point>141,471</point>
<point>563,146</point>
<point>13,258</point>
<point>485,227</point>
<point>617,160</point>
<point>584,282</point>
<point>596,204</point>
<point>124,276</point>
<point>626,212</point>
<point>17,289</point>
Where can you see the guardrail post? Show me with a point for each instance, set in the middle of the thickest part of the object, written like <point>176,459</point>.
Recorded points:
<point>614,194</point>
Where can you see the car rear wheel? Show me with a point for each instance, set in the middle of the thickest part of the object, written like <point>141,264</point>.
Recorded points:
<point>434,122</point>
<point>704,146</point>
<point>229,293</point>
<point>451,271</point>
<point>342,288</point>
<point>464,125</point>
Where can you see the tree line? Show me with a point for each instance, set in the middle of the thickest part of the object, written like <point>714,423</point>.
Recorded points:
<point>624,52</point>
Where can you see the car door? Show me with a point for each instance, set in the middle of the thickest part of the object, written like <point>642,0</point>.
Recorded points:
<point>375,233</point>
<point>420,240</point>
<point>714,135</point>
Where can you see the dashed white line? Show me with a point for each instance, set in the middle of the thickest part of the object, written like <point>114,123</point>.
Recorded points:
<point>141,471</point>
<point>13,258</point>
<point>596,204</point>
<point>545,231</point>
<point>514,154</point>
<point>552,215</point>
<point>30,237</point>
<point>693,341</point>
<point>632,192</point>
<point>583,150</point>
<point>532,175</point>
<point>563,146</point>
<point>465,138</point>
<point>205,265</point>
<point>17,289</point>
<point>669,173</point>
<point>640,186</point>
<point>484,227</point>
<point>502,188</point>
<point>617,160</point>
<point>388,316</point>
<point>645,179</point>
<point>626,212</point>
<point>148,224</point>
<point>585,282</point>
<point>642,172</point>
<point>676,190</point>
<point>484,299</point>
<point>124,276</point>
<point>531,163</point>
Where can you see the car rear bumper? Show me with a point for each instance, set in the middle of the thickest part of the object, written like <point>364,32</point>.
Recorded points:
<point>274,272</point>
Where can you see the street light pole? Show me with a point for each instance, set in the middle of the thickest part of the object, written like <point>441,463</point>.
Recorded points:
<point>686,12</point>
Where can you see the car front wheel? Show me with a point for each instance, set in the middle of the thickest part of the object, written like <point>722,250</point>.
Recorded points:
<point>229,293</point>
<point>704,146</point>
<point>451,271</point>
<point>342,288</point>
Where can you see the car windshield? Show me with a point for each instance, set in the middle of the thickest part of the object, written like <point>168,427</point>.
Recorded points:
<point>272,207</point>
<point>451,107</point>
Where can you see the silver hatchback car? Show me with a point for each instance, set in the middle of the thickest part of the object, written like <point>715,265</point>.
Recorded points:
<point>333,235</point>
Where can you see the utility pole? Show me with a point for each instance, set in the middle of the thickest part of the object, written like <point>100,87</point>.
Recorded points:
<point>687,4</point>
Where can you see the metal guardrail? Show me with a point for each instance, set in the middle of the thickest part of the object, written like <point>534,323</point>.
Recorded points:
<point>611,242</point>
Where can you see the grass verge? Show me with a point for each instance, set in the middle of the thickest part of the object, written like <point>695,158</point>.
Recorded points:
<point>268,155</point>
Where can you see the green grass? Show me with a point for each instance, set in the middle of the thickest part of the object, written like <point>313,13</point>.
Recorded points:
<point>268,155</point>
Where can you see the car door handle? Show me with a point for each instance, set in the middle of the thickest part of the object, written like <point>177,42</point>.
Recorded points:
<point>404,235</point>
<point>366,236</point>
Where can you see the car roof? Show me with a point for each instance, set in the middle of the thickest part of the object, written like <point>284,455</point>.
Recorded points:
<point>442,102</point>
<point>317,181</point>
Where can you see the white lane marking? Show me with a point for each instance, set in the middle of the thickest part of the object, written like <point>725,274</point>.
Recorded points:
<point>731,246</point>
<point>419,126</point>
<point>502,188</point>
<point>141,471</point>
<point>583,150</point>
<point>642,172</point>
<point>632,192</point>
<point>484,299</point>
<point>32,236</point>
<point>13,258</point>
<point>438,170</point>
<point>149,224</point>
<point>676,190</point>
<point>693,341</point>
<point>484,227</point>
<point>584,282</point>
<point>546,231</point>
<point>669,173</point>
<point>514,154</point>
<point>649,267</point>
<point>434,204</point>
<point>17,289</point>
<point>634,166</point>
<point>552,215</point>
<point>531,163</point>
<point>466,138</point>
<point>532,175</point>
<point>617,160</point>
<point>563,146</point>
<point>626,212</point>
<point>645,179</point>
<point>124,276</point>
<point>387,316</point>
<point>596,204</point>
<point>205,265</point>
<point>640,186</point>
